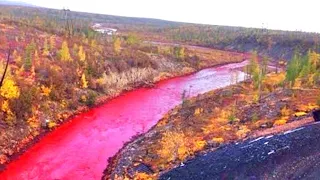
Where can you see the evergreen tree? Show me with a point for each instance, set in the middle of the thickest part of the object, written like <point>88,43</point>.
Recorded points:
<point>253,64</point>
<point>257,72</point>
<point>265,62</point>
<point>179,52</point>
<point>28,57</point>
<point>52,45</point>
<point>132,39</point>
<point>313,60</point>
<point>306,68</point>
<point>293,70</point>
<point>75,48</point>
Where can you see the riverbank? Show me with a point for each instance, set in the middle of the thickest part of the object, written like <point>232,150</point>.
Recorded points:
<point>210,121</point>
<point>291,154</point>
<point>13,150</point>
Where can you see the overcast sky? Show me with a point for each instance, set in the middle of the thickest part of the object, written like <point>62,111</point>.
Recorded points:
<point>273,14</point>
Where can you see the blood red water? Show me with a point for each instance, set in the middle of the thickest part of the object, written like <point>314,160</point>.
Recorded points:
<point>80,148</point>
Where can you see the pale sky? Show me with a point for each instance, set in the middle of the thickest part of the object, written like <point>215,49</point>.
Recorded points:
<point>273,14</point>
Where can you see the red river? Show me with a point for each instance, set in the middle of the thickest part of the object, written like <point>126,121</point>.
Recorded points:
<point>79,149</point>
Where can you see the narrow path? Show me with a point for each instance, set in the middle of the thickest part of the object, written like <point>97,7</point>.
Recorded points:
<point>80,148</point>
<point>293,154</point>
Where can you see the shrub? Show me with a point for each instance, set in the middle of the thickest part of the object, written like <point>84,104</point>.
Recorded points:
<point>232,118</point>
<point>173,146</point>
<point>22,106</point>
<point>143,176</point>
<point>198,111</point>
<point>149,49</point>
<point>179,52</point>
<point>184,97</point>
<point>254,117</point>
<point>132,39</point>
<point>91,99</point>
<point>285,111</point>
<point>280,122</point>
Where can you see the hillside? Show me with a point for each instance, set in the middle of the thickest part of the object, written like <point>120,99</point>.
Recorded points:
<point>80,19</point>
<point>279,45</point>
<point>273,43</point>
<point>15,3</point>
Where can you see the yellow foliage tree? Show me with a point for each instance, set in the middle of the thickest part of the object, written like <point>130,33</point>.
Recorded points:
<point>64,52</point>
<point>45,48</point>
<point>75,48</point>
<point>9,90</point>
<point>117,45</point>
<point>52,42</point>
<point>93,44</point>
<point>84,81</point>
<point>6,109</point>
<point>36,58</point>
<point>81,54</point>
<point>181,53</point>
<point>313,59</point>
<point>17,58</point>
